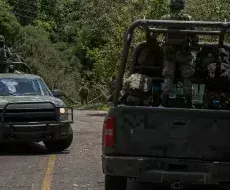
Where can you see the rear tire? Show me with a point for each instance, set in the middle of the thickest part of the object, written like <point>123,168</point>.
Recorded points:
<point>60,145</point>
<point>115,183</point>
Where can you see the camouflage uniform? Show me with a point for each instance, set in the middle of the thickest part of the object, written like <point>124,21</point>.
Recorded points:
<point>137,90</point>
<point>5,54</point>
<point>4,50</point>
<point>215,97</point>
<point>224,70</point>
<point>224,65</point>
<point>177,54</point>
<point>84,93</point>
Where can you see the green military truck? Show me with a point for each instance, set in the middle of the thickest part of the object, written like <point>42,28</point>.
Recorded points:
<point>176,146</point>
<point>29,110</point>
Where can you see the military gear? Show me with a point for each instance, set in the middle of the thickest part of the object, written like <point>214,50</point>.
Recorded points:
<point>177,54</point>
<point>180,40</point>
<point>216,100</point>
<point>5,52</point>
<point>145,57</point>
<point>224,69</point>
<point>137,90</point>
<point>9,62</point>
<point>221,65</point>
<point>183,61</point>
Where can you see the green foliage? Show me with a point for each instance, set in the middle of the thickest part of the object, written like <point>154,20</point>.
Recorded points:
<point>9,26</point>
<point>38,50</point>
<point>74,39</point>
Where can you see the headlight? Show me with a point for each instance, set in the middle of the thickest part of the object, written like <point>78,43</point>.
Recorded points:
<point>65,114</point>
<point>62,110</point>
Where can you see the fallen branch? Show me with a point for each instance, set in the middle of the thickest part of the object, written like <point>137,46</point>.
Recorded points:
<point>70,99</point>
<point>94,99</point>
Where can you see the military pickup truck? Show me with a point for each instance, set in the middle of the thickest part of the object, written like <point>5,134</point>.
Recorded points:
<point>30,112</point>
<point>172,147</point>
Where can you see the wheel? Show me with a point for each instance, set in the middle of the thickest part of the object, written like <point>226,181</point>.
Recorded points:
<point>115,183</point>
<point>60,145</point>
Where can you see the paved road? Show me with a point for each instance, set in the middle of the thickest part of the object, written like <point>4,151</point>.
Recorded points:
<point>30,167</point>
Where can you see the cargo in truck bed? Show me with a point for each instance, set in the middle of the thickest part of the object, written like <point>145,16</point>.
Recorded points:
<point>174,146</point>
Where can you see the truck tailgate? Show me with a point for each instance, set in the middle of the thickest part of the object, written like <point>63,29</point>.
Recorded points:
<point>171,132</point>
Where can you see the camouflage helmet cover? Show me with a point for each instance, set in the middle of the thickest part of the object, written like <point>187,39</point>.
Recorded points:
<point>177,4</point>
<point>2,38</point>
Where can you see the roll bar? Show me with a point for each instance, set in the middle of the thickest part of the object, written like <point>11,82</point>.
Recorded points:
<point>222,28</point>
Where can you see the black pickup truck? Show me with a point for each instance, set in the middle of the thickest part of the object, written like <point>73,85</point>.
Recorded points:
<point>172,147</point>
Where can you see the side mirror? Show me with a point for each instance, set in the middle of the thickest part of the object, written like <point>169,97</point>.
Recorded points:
<point>58,93</point>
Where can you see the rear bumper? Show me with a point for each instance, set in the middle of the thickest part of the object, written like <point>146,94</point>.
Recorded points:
<point>159,170</point>
<point>34,132</point>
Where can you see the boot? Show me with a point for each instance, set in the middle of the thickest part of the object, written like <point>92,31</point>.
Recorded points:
<point>165,99</point>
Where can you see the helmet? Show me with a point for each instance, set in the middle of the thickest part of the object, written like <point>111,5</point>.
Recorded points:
<point>177,4</point>
<point>2,38</point>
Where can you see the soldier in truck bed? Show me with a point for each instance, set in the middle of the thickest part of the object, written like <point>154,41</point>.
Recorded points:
<point>177,54</point>
<point>224,65</point>
<point>4,50</point>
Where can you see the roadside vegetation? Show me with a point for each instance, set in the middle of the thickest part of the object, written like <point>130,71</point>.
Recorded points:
<point>67,40</point>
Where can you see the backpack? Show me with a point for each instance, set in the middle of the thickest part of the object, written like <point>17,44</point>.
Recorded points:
<point>137,90</point>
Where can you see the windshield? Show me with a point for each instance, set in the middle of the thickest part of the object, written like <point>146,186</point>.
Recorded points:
<point>23,87</point>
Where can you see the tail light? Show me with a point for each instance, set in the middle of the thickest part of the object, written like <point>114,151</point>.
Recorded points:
<point>109,132</point>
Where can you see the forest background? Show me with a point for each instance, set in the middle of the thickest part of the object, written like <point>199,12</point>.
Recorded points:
<point>65,41</point>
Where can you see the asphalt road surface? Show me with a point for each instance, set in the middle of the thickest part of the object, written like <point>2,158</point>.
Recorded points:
<point>31,167</point>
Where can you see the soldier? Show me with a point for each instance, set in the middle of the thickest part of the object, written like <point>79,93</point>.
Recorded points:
<point>5,54</point>
<point>84,93</point>
<point>177,50</point>
<point>5,51</point>
<point>224,65</point>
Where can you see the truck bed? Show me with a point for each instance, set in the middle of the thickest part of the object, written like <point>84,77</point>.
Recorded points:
<point>173,133</point>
